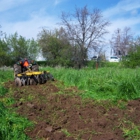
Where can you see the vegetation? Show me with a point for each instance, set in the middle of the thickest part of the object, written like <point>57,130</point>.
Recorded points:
<point>15,47</point>
<point>100,84</point>
<point>68,47</point>
<point>12,125</point>
<point>86,29</point>
<point>132,60</point>
<point>55,47</point>
<point>81,32</point>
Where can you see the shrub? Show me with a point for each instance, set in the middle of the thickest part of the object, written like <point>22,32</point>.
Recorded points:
<point>132,60</point>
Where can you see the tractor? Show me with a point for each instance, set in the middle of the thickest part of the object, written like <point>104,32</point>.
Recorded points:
<point>30,76</point>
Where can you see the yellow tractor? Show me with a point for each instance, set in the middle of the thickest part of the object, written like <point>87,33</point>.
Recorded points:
<point>32,76</point>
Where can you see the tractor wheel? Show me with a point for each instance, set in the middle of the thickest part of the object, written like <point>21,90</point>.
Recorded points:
<point>17,69</point>
<point>35,68</point>
<point>18,82</point>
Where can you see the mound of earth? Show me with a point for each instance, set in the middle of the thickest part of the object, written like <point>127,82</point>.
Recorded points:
<point>58,113</point>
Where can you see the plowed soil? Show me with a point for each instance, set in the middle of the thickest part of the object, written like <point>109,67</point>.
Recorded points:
<point>59,113</point>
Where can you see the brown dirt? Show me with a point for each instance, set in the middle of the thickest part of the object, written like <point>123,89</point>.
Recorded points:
<point>67,116</point>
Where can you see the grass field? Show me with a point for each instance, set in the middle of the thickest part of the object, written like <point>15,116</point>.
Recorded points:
<point>102,84</point>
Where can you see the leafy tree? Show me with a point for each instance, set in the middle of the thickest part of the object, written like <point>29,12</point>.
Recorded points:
<point>85,29</point>
<point>4,58</point>
<point>4,49</point>
<point>20,47</point>
<point>14,47</point>
<point>55,46</point>
<point>132,60</point>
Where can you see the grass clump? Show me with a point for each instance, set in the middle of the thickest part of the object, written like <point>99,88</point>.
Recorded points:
<point>132,133</point>
<point>12,126</point>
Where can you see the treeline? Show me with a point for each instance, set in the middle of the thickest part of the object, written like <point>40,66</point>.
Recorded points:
<point>67,46</point>
<point>71,44</point>
<point>15,47</point>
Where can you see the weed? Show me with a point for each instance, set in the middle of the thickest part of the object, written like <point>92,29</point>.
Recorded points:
<point>130,130</point>
<point>65,131</point>
<point>3,91</point>
<point>30,97</point>
<point>12,126</point>
<point>133,133</point>
<point>122,105</point>
<point>127,90</point>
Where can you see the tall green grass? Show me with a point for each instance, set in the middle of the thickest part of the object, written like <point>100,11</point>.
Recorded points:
<point>5,75</point>
<point>102,84</point>
<point>11,125</point>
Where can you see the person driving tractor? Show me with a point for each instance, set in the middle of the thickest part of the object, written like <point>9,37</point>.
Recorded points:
<point>25,64</point>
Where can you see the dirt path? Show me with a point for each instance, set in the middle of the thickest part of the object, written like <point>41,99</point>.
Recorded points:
<point>68,117</point>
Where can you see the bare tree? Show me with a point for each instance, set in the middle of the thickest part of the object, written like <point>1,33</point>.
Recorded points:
<point>121,41</point>
<point>85,28</point>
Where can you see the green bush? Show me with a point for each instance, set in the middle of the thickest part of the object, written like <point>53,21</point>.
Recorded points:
<point>3,91</point>
<point>132,60</point>
<point>127,90</point>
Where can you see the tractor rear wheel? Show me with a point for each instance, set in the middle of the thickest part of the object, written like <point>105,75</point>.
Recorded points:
<point>35,68</point>
<point>17,69</point>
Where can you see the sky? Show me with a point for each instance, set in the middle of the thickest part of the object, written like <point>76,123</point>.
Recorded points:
<point>28,17</point>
